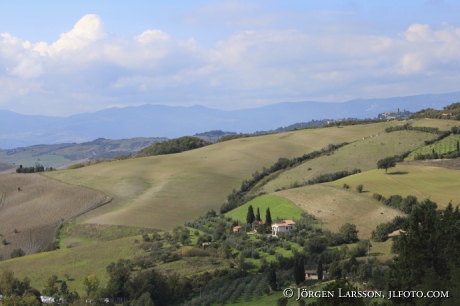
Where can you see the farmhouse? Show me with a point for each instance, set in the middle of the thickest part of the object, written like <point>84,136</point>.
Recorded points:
<point>237,229</point>
<point>313,274</point>
<point>283,227</point>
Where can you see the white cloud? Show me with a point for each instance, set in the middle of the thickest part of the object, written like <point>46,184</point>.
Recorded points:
<point>87,68</point>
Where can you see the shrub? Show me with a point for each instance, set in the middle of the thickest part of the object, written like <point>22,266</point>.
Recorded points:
<point>359,188</point>
<point>17,253</point>
<point>346,186</point>
<point>377,196</point>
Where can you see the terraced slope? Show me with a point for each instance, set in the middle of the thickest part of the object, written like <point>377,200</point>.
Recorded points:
<point>439,184</point>
<point>362,154</point>
<point>165,191</point>
<point>337,206</point>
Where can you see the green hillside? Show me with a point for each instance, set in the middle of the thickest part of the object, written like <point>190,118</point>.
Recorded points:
<point>441,124</point>
<point>446,145</point>
<point>439,184</point>
<point>280,208</point>
<point>165,191</point>
<point>362,154</point>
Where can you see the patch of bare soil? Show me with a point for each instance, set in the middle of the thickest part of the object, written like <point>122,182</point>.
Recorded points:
<point>453,164</point>
<point>32,208</point>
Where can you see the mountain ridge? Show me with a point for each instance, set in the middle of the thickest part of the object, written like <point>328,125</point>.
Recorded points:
<point>157,120</point>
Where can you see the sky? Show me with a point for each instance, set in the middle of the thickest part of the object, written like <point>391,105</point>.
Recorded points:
<point>66,57</point>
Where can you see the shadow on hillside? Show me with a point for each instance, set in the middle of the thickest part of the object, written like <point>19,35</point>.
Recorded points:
<point>398,172</point>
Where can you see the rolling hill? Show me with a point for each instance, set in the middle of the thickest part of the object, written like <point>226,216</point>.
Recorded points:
<point>438,184</point>
<point>165,191</point>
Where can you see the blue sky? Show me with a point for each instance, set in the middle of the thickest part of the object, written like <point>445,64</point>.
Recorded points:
<point>66,57</point>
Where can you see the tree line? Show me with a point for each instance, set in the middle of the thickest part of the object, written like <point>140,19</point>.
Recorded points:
<point>37,168</point>
<point>177,145</point>
<point>237,197</point>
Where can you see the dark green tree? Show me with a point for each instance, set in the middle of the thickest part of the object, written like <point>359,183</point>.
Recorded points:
<point>268,218</point>
<point>258,215</point>
<point>272,277</point>
<point>349,233</point>
<point>428,251</point>
<point>250,218</point>
<point>319,269</point>
<point>458,146</point>
<point>299,269</point>
<point>387,162</point>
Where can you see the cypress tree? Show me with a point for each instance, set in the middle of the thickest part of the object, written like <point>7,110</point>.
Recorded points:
<point>268,218</point>
<point>258,215</point>
<point>458,146</point>
<point>302,270</point>
<point>272,277</point>
<point>295,270</point>
<point>250,216</point>
<point>319,270</point>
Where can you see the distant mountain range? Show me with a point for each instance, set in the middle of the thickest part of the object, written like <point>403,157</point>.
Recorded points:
<point>17,130</point>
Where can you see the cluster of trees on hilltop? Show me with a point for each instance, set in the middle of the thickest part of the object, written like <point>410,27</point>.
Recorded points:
<point>177,145</point>
<point>451,111</point>
<point>37,168</point>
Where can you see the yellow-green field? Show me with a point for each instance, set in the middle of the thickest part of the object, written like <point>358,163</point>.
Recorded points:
<point>362,154</point>
<point>165,191</point>
<point>446,145</point>
<point>337,206</point>
<point>77,262</point>
<point>442,124</point>
<point>439,184</point>
<point>280,208</point>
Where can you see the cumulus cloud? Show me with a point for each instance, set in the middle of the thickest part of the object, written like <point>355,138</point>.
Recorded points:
<point>88,68</point>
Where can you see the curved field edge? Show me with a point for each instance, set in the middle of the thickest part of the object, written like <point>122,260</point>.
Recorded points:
<point>441,185</point>
<point>165,191</point>
<point>362,154</point>
<point>336,206</point>
<point>280,208</point>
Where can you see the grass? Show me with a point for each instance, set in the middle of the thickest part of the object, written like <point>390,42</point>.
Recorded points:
<point>336,206</point>
<point>439,184</point>
<point>165,191</point>
<point>77,262</point>
<point>446,145</point>
<point>73,234</point>
<point>47,160</point>
<point>362,154</point>
<point>280,208</point>
<point>442,124</point>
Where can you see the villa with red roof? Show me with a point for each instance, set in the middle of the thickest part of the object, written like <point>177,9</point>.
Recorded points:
<point>283,227</point>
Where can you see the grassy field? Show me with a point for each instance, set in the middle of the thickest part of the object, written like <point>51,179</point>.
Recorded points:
<point>73,235</point>
<point>77,262</point>
<point>442,124</point>
<point>164,191</point>
<point>337,206</point>
<point>439,184</point>
<point>46,160</point>
<point>362,154</point>
<point>280,208</point>
<point>446,145</point>
<point>30,216</point>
